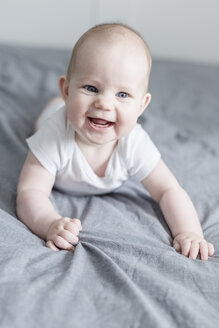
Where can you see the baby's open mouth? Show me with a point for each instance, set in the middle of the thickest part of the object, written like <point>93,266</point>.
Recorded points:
<point>99,122</point>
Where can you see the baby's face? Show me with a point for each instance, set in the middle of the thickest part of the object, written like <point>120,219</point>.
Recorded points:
<point>106,93</point>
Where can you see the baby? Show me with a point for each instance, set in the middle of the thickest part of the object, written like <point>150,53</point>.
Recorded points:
<point>91,143</point>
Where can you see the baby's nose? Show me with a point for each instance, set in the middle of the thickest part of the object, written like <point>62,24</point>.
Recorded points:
<point>104,103</point>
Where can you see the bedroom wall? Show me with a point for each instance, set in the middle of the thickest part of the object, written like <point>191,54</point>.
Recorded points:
<point>182,29</point>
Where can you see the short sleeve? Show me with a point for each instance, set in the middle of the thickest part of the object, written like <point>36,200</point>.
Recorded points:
<point>48,144</point>
<point>142,155</point>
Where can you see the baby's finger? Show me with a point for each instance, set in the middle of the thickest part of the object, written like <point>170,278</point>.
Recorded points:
<point>185,247</point>
<point>69,237</point>
<point>194,250</point>
<point>50,244</point>
<point>62,243</point>
<point>203,250</point>
<point>176,246</point>
<point>78,222</point>
<point>210,249</point>
<point>66,219</point>
<point>72,227</point>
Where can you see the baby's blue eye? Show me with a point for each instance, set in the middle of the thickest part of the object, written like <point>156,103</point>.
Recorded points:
<point>90,88</point>
<point>122,94</point>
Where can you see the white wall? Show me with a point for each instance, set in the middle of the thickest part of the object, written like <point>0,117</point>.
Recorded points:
<point>44,22</point>
<point>178,29</point>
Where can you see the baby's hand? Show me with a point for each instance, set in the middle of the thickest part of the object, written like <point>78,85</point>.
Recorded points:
<point>63,234</point>
<point>191,244</point>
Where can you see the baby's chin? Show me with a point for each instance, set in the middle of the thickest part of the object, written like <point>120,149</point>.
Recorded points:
<point>98,140</point>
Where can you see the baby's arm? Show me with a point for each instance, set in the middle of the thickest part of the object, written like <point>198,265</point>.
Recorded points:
<point>35,209</point>
<point>179,212</point>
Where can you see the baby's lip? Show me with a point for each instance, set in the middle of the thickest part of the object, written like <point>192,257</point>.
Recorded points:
<point>100,121</point>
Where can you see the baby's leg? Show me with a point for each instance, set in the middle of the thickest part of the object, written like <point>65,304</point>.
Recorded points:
<point>51,107</point>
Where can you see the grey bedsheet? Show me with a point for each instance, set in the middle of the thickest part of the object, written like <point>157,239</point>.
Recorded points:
<point>124,272</point>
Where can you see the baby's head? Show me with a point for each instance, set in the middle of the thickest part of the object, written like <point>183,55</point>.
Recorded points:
<point>112,34</point>
<point>105,89</point>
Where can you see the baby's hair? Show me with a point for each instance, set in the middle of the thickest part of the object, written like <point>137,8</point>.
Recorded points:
<point>107,28</point>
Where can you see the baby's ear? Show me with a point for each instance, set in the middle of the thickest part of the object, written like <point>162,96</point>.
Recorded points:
<point>145,102</point>
<point>63,86</point>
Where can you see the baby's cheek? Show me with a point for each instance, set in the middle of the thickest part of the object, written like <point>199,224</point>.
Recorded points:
<point>127,122</point>
<point>73,116</point>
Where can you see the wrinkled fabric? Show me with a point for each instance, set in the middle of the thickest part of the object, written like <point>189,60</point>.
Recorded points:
<point>124,272</point>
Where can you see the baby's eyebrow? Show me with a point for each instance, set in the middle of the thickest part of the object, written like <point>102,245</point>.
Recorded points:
<point>87,79</point>
<point>127,89</point>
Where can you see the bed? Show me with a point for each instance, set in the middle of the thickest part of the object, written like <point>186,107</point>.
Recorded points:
<point>124,272</point>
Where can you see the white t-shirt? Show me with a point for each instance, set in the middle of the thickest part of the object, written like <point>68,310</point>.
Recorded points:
<point>55,147</point>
